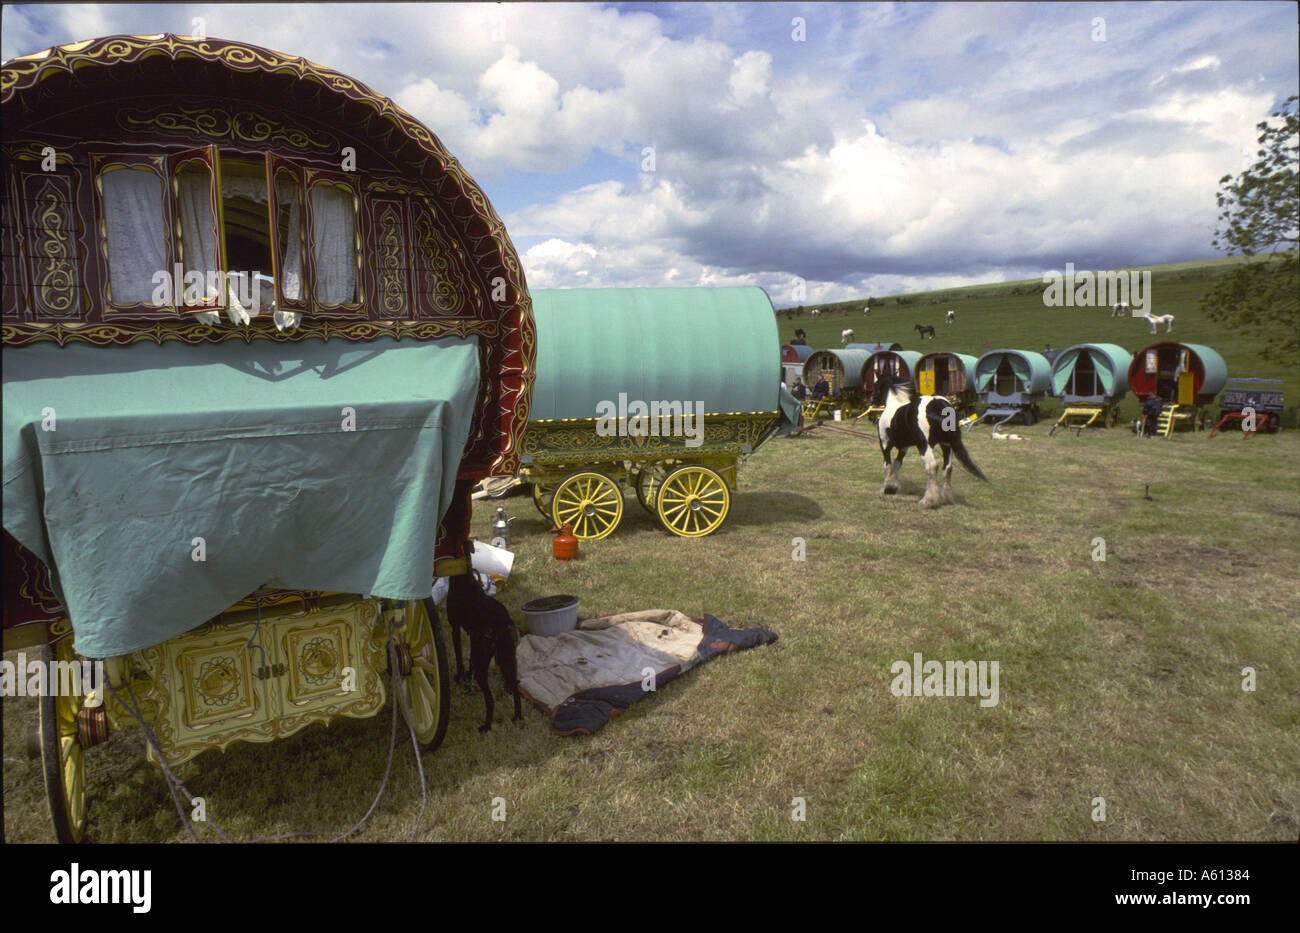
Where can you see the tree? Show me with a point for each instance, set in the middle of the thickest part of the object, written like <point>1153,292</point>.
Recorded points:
<point>1259,218</point>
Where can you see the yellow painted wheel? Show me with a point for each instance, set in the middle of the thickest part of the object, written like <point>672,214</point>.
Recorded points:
<point>542,499</point>
<point>590,503</point>
<point>425,686</point>
<point>62,757</point>
<point>647,486</point>
<point>693,501</point>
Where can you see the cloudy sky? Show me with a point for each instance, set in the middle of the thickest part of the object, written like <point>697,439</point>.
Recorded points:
<point>865,148</point>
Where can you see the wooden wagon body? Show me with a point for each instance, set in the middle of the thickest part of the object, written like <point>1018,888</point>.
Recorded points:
<point>951,375</point>
<point>1185,377</point>
<point>661,390</point>
<point>1090,379</point>
<point>262,334</point>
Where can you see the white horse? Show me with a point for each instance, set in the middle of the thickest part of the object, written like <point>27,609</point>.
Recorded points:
<point>1165,319</point>
<point>845,336</point>
<point>867,310</point>
<point>951,316</point>
<point>816,312</point>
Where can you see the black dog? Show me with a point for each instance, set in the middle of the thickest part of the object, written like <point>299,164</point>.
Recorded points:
<point>799,334</point>
<point>492,634</point>
<point>926,330</point>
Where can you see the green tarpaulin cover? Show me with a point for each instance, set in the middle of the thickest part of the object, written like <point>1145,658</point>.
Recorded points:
<point>718,346</point>
<point>322,465</point>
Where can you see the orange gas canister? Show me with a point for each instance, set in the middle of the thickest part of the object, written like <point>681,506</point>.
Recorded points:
<point>565,545</point>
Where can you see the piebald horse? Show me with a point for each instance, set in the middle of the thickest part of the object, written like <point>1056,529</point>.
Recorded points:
<point>926,422</point>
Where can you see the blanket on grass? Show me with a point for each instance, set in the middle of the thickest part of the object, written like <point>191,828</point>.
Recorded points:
<point>588,676</point>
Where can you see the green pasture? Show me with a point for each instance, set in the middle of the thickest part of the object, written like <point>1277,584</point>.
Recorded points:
<point>993,316</point>
<point>1120,679</point>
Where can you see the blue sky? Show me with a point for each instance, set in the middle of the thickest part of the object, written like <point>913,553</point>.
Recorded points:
<point>863,148</point>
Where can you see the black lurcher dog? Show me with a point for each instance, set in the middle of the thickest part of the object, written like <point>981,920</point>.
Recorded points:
<point>492,634</point>
<point>926,422</point>
<point>925,329</point>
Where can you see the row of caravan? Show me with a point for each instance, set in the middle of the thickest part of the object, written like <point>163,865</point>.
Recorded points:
<point>1088,378</point>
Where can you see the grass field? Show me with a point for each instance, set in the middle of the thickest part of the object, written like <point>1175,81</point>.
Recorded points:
<point>1119,679</point>
<point>990,317</point>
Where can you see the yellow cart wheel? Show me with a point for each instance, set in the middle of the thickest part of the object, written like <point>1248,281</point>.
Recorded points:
<point>62,757</point>
<point>692,501</point>
<point>542,499</point>
<point>647,486</point>
<point>423,680</point>
<point>590,503</point>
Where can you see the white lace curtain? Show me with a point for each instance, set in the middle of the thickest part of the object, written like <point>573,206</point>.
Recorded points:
<point>133,222</point>
<point>198,229</point>
<point>334,244</point>
<point>288,192</point>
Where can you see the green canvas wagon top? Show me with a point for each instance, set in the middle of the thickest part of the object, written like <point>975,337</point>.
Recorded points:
<point>718,346</point>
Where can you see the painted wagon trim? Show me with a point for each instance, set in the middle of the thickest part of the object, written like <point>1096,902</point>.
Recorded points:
<point>29,82</point>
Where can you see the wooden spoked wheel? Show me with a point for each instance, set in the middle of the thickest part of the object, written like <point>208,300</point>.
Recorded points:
<point>542,499</point>
<point>423,680</point>
<point>647,486</point>
<point>590,503</point>
<point>692,501</point>
<point>62,757</point>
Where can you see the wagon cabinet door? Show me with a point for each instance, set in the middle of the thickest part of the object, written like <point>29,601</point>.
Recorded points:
<point>925,378</point>
<point>288,221</point>
<point>198,229</point>
<point>334,241</point>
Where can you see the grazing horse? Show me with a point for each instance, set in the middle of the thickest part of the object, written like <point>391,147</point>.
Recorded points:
<point>845,336</point>
<point>816,312</point>
<point>1121,309</point>
<point>925,329</point>
<point>951,316</point>
<point>928,423</point>
<point>867,310</point>
<point>1165,319</point>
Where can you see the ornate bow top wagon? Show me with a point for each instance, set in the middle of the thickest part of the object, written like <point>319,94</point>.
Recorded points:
<point>665,389</point>
<point>262,334</point>
<point>792,359</point>
<point>951,375</point>
<point>1184,376</point>
<point>901,363</point>
<point>1090,379</point>
<point>1012,383</point>
<point>842,370</point>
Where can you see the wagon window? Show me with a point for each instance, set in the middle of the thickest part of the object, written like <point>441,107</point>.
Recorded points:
<point>335,254</point>
<point>134,231</point>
